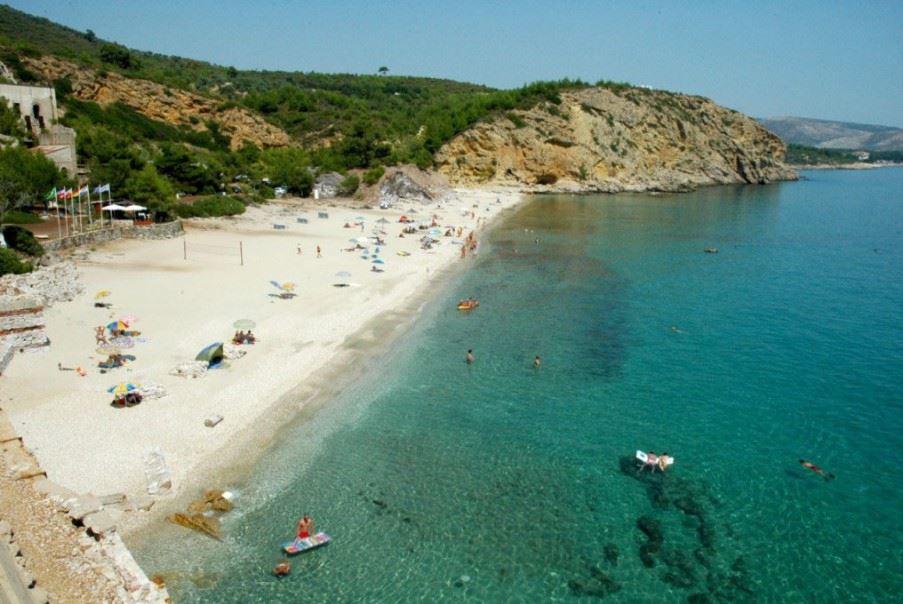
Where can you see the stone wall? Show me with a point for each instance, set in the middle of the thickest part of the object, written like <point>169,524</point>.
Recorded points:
<point>120,229</point>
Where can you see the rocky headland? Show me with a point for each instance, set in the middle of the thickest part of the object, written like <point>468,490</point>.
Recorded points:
<point>616,139</point>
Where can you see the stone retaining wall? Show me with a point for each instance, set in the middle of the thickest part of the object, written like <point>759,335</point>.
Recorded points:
<point>120,229</point>
<point>21,326</point>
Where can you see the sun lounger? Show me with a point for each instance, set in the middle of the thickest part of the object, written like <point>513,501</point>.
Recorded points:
<point>279,227</point>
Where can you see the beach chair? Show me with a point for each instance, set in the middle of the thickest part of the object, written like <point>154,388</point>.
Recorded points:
<point>279,227</point>
<point>302,220</point>
<point>322,214</point>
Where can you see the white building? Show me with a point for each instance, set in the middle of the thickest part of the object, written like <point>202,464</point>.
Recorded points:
<point>36,105</point>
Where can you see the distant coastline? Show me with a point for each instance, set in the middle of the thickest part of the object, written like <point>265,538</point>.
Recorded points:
<point>852,166</point>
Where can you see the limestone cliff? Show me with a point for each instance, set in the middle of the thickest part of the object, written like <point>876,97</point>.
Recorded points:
<point>170,105</point>
<point>618,139</point>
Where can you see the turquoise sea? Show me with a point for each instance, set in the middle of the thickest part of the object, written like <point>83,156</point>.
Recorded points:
<point>497,482</point>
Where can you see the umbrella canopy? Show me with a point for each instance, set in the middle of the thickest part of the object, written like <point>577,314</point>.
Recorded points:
<point>123,388</point>
<point>112,207</point>
<point>286,287</point>
<point>379,261</point>
<point>117,326</point>
<point>102,294</point>
<point>383,220</point>
<point>212,353</point>
<point>244,324</point>
<point>363,240</point>
<point>134,208</point>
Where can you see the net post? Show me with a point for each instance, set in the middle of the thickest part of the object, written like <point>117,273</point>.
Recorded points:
<point>184,250</point>
<point>241,253</point>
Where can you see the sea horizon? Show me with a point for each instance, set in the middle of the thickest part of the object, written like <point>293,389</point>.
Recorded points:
<point>499,481</point>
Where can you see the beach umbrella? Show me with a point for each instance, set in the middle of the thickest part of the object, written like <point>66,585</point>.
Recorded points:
<point>363,240</point>
<point>117,326</point>
<point>287,287</point>
<point>244,324</point>
<point>359,218</point>
<point>134,208</point>
<point>122,388</point>
<point>378,261</point>
<point>102,294</point>
<point>212,353</point>
<point>383,220</point>
<point>128,319</point>
<point>112,207</point>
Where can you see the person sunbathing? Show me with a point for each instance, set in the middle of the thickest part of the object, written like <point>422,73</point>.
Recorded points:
<point>664,460</point>
<point>651,461</point>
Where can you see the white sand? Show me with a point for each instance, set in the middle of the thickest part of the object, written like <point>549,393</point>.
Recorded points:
<point>182,305</point>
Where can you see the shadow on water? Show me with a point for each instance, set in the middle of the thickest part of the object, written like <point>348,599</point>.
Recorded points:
<point>706,564</point>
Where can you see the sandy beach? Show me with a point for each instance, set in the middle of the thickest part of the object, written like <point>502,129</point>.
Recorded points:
<point>180,305</point>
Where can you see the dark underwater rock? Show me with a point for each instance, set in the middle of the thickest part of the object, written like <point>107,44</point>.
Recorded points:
<point>611,553</point>
<point>597,585</point>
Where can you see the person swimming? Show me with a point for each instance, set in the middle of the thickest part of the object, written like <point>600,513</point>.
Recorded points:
<point>282,568</point>
<point>811,466</point>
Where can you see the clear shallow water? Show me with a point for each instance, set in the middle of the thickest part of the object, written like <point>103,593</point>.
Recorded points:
<point>497,482</point>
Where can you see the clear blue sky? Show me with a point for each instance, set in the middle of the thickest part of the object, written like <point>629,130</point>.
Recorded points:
<point>828,59</point>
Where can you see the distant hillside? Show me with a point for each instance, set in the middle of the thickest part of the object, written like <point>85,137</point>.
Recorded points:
<point>825,134</point>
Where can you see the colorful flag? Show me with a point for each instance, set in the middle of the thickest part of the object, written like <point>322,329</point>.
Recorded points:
<point>69,194</point>
<point>105,188</point>
<point>61,194</point>
<point>83,191</point>
<point>51,195</point>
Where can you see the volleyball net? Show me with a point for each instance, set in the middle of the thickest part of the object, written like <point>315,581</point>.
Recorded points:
<point>192,249</point>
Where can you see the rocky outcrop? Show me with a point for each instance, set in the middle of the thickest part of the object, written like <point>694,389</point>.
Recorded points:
<point>401,186</point>
<point>170,105</point>
<point>619,139</point>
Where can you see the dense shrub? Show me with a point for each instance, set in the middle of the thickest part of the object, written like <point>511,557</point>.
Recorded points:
<point>349,185</point>
<point>372,176</point>
<point>22,240</point>
<point>18,217</point>
<point>10,263</point>
<point>211,206</point>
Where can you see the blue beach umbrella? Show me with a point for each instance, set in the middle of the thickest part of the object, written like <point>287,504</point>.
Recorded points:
<point>378,261</point>
<point>122,388</point>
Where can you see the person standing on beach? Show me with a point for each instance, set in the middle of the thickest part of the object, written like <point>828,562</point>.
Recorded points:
<point>318,251</point>
<point>470,357</point>
<point>299,249</point>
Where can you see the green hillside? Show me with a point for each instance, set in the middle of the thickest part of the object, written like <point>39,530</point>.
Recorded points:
<point>336,121</point>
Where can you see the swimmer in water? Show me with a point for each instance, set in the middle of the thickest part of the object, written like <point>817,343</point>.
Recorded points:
<point>811,466</point>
